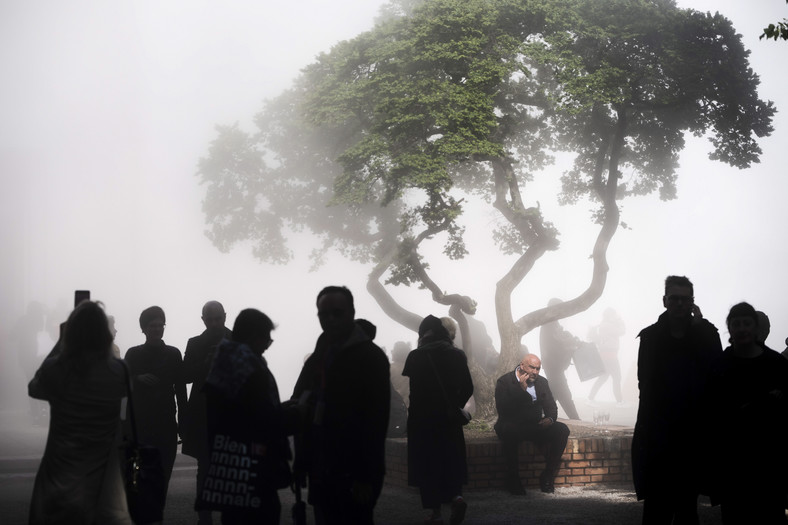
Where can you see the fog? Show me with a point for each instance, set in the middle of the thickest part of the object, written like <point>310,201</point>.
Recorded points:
<point>107,107</point>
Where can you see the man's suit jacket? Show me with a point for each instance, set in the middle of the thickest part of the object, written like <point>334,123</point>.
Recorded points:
<point>516,407</point>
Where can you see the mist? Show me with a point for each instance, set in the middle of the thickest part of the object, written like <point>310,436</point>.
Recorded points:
<point>107,109</point>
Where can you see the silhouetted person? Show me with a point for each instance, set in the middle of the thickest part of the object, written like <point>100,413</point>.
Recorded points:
<point>157,380</point>
<point>440,385</point>
<point>749,392</point>
<point>247,428</point>
<point>398,356</point>
<point>675,356</point>
<point>606,336</point>
<point>558,346</point>
<point>79,479</point>
<point>527,412</point>
<point>346,382</point>
<point>197,360</point>
<point>114,332</point>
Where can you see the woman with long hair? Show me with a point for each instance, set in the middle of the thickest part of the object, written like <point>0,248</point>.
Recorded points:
<point>79,479</point>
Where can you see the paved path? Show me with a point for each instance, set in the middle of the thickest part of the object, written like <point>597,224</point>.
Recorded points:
<point>21,446</point>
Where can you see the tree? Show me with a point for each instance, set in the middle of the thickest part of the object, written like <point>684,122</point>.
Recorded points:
<point>380,141</point>
<point>776,31</point>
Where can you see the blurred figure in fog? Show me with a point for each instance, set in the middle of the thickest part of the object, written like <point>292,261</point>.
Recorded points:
<point>606,336</point>
<point>79,479</point>
<point>440,385</point>
<point>675,357</point>
<point>200,351</point>
<point>157,382</point>
<point>748,390</point>
<point>114,332</point>
<point>346,384</point>
<point>398,356</point>
<point>25,336</point>
<point>558,346</point>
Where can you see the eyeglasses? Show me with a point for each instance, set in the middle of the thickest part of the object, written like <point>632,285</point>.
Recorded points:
<point>680,298</point>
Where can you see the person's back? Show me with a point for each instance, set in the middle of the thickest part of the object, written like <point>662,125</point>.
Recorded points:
<point>79,479</point>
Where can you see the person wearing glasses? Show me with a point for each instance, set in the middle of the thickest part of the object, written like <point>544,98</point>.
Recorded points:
<point>674,360</point>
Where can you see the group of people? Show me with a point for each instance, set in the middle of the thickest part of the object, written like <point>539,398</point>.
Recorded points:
<point>237,427</point>
<point>708,418</point>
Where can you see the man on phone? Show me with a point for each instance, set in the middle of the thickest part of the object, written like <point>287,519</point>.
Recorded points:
<point>675,356</point>
<point>527,412</point>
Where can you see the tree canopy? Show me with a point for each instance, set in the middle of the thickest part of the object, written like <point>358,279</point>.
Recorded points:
<point>380,142</point>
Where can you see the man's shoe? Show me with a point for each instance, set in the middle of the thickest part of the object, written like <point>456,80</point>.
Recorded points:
<point>458,508</point>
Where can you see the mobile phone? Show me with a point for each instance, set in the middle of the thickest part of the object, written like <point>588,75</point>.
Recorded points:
<point>81,295</point>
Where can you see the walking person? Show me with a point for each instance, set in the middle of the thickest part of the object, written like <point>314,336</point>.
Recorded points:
<point>440,385</point>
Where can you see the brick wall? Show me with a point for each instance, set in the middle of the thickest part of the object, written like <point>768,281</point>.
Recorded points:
<point>586,461</point>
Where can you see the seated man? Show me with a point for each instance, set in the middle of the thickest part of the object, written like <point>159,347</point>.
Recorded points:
<point>527,412</point>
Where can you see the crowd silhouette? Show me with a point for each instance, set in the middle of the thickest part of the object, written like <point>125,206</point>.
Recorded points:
<point>700,406</point>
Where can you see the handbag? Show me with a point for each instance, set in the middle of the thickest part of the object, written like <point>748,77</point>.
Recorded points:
<point>143,475</point>
<point>455,415</point>
<point>588,362</point>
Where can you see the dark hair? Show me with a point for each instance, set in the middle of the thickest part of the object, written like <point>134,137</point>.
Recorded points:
<point>678,280</point>
<point>249,324</point>
<point>87,334</point>
<point>433,327</point>
<point>741,310</point>
<point>340,290</point>
<point>149,314</point>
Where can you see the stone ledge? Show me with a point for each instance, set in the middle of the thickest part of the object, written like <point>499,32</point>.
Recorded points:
<point>595,460</point>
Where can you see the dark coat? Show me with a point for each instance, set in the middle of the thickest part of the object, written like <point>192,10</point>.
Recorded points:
<point>749,397</point>
<point>436,445</point>
<point>247,430</point>
<point>200,351</point>
<point>672,378</point>
<point>348,388</point>
<point>517,409</point>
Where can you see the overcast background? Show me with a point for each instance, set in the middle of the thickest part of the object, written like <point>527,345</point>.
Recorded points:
<point>106,108</point>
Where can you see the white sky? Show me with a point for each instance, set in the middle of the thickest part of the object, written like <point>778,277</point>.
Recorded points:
<point>107,106</point>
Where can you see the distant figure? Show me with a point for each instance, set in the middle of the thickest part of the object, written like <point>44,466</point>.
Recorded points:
<point>606,336</point>
<point>527,412</point>
<point>440,385</point>
<point>346,383</point>
<point>557,347</point>
<point>157,380</point>
<point>79,478</point>
<point>30,354</point>
<point>674,360</point>
<point>200,351</point>
<point>398,356</point>
<point>246,419</point>
<point>749,393</point>
<point>114,332</point>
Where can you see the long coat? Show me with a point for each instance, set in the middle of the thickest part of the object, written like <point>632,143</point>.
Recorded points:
<point>436,445</point>
<point>349,390</point>
<point>672,377</point>
<point>197,359</point>
<point>79,479</point>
